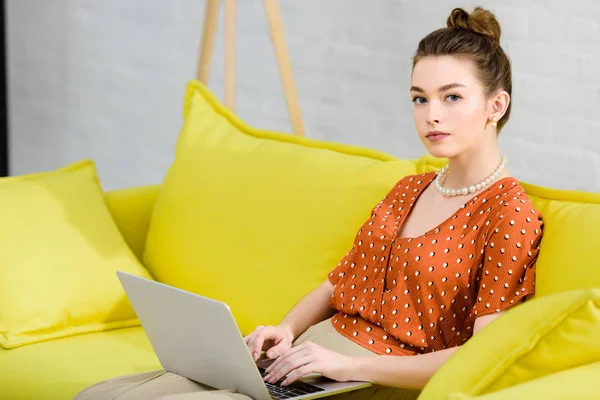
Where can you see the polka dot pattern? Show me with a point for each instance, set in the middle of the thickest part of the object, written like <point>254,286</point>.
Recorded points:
<point>398,295</point>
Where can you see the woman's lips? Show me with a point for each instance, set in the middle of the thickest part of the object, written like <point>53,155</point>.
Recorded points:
<point>436,136</point>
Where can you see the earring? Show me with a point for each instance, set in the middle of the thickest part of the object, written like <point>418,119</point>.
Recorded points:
<point>494,123</point>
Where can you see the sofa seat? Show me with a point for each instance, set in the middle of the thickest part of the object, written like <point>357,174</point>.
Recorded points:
<point>59,369</point>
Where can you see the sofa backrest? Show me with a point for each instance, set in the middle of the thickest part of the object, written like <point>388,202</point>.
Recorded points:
<point>258,218</point>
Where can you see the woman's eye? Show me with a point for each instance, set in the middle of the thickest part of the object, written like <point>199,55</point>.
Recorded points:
<point>453,97</point>
<point>419,100</point>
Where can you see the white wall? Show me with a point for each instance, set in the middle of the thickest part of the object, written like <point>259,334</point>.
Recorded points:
<point>105,78</point>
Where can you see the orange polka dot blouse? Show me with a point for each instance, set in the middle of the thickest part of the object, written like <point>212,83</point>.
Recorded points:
<point>406,296</point>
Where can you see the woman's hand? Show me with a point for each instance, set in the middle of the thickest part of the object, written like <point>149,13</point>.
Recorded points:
<point>275,339</point>
<point>310,358</point>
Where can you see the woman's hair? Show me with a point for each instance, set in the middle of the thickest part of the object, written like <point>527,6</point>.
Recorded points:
<point>475,37</point>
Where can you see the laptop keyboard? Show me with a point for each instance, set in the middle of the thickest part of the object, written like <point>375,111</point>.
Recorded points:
<point>290,391</point>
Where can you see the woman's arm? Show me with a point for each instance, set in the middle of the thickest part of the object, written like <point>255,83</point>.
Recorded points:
<point>311,309</point>
<point>410,372</point>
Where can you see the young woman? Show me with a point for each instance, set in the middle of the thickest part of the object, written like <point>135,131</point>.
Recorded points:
<point>443,254</point>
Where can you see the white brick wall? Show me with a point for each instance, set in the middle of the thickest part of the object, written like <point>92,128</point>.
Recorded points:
<point>104,79</point>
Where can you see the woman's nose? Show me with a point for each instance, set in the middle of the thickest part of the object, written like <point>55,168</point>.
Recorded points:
<point>433,121</point>
<point>433,116</point>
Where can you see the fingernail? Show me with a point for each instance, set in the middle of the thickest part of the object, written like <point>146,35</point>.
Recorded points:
<point>255,355</point>
<point>271,354</point>
<point>266,377</point>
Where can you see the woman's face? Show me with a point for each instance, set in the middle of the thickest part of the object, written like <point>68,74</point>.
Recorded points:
<point>451,110</point>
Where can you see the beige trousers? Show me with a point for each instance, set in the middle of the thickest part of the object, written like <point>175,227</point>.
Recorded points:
<point>162,385</point>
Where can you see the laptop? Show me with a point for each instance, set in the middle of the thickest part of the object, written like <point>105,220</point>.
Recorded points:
<point>198,338</point>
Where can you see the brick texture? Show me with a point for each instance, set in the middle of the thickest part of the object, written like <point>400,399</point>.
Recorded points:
<point>104,79</point>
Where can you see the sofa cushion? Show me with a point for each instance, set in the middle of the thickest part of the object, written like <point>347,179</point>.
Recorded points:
<point>255,218</point>
<point>60,251</point>
<point>568,259</point>
<point>131,209</point>
<point>539,338</point>
<point>59,369</point>
<point>579,383</point>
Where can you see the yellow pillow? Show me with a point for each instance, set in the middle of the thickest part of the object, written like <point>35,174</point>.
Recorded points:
<point>257,219</point>
<point>60,251</point>
<point>568,259</point>
<point>131,209</point>
<point>536,339</point>
<point>580,383</point>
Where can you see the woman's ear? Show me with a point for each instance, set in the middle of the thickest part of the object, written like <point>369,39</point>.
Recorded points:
<point>498,104</point>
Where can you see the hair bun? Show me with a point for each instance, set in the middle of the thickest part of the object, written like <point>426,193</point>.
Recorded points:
<point>480,21</point>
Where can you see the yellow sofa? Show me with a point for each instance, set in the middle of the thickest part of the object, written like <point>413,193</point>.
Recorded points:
<point>271,213</point>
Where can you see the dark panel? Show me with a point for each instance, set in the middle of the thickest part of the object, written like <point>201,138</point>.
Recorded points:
<point>3,96</point>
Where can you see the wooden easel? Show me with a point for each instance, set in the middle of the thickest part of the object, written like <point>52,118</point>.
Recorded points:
<point>279,44</point>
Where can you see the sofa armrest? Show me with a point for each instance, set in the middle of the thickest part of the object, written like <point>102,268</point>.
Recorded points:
<point>538,338</point>
<point>131,209</point>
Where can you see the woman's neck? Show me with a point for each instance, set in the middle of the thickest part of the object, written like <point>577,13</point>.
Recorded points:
<point>472,167</point>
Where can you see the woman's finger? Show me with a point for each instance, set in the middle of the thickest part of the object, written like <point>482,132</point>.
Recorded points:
<point>256,344</point>
<point>299,373</point>
<point>290,365</point>
<point>248,338</point>
<point>285,356</point>
<point>281,345</point>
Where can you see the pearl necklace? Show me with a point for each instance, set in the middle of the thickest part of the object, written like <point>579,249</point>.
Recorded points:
<point>467,189</point>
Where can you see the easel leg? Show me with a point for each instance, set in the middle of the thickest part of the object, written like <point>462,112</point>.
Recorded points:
<point>211,15</point>
<point>230,53</point>
<point>284,65</point>
<point>283,62</point>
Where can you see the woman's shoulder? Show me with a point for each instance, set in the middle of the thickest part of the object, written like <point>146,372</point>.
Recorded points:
<point>409,187</point>
<point>511,203</point>
<point>516,195</point>
<point>415,180</point>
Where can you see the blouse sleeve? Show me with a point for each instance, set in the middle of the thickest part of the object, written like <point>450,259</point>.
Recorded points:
<point>339,271</point>
<point>510,254</point>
